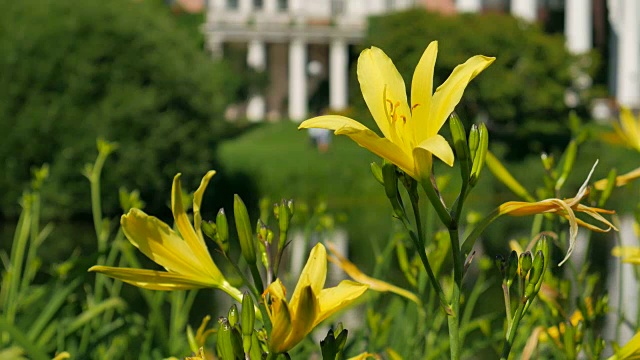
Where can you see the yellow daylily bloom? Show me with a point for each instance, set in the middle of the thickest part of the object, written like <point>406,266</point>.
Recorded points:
<point>565,208</point>
<point>184,256</point>
<point>630,351</point>
<point>628,129</point>
<point>410,130</point>
<point>310,304</point>
<point>629,254</point>
<point>621,180</point>
<point>374,284</point>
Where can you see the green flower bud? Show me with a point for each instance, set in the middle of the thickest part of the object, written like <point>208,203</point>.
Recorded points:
<point>526,261</point>
<point>512,267</point>
<point>535,276</point>
<point>243,226</point>
<point>233,315</point>
<point>474,141</point>
<point>377,172</point>
<point>247,321</point>
<point>223,231</point>
<point>209,229</point>
<point>547,161</point>
<point>460,145</point>
<point>390,177</point>
<point>224,346</point>
<point>285,216</point>
<point>480,155</point>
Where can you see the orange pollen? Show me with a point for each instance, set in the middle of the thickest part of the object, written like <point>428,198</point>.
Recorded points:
<point>414,106</point>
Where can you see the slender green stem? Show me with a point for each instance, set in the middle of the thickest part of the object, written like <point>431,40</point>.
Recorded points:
<point>507,302</point>
<point>511,332</point>
<point>436,202</point>
<point>467,244</point>
<point>427,266</point>
<point>454,320</point>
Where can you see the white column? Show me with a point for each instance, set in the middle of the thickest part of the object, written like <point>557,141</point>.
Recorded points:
<point>245,6</point>
<point>468,5</point>
<point>297,80</point>
<point>628,84</point>
<point>257,60</point>
<point>271,6</point>
<point>578,25</point>
<point>338,75</point>
<point>526,9</point>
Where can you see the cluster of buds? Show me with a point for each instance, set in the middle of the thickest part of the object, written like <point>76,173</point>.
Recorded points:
<point>237,339</point>
<point>471,152</point>
<point>527,270</point>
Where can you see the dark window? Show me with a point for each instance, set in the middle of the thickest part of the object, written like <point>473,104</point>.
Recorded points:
<point>283,4</point>
<point>257,4</point>
<point>232,4</point>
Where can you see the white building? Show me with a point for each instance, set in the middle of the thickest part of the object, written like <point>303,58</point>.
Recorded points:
<point>301,43</point>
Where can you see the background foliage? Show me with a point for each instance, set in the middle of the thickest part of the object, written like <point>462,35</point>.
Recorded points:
<point>123,70</point>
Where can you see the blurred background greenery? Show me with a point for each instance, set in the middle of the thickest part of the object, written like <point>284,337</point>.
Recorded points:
<point>134,73</point>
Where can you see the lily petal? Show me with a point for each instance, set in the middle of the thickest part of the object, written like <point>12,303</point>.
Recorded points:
<point>364,137</point>
<point>314,274</point>
<point>197,245</point>
<point>281,321</point>
<point>448,95</point>
<point>337,298</point>
<point>377,74</point>
<point>438,146</point>
<point>151,279</point>
<point>197,201</point>
<point>422,91</point>
<point>159,242</point>
<point>304,316</point>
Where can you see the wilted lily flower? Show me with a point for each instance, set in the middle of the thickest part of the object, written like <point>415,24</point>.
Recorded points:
<point>410,130</point>
<point>184,256</point>
<point>565,208</point>
<point>310,304</point>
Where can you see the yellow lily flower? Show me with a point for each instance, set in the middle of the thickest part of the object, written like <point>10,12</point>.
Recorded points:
<point>629,254</point>
<point>621,180</point>
<point>185,256</point>
<point>629,128</point>
<point>565,208</point>
<point>410,130</point>
<point>310,303</point>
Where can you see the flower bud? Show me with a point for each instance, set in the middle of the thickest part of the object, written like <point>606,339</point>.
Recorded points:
<point>512,267</point>
<point>243,226</point>
<point>480,155</point>
<point>247,321</point>
<point>377,172</point>
<point>224,346</point>
<point>233,315</point>
<point>526,261</point>
<point>474,141</point>
<point>223,231</point>
<point>460,145</point>
<point>535,276</point>
<point>285,215</point>
<point>209,228</point>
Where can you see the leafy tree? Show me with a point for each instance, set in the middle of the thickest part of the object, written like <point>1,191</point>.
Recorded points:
<point>71,72</point>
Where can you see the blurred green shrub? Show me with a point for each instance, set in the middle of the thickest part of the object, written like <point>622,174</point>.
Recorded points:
<point>122,70</point>
<point>521,97</point>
